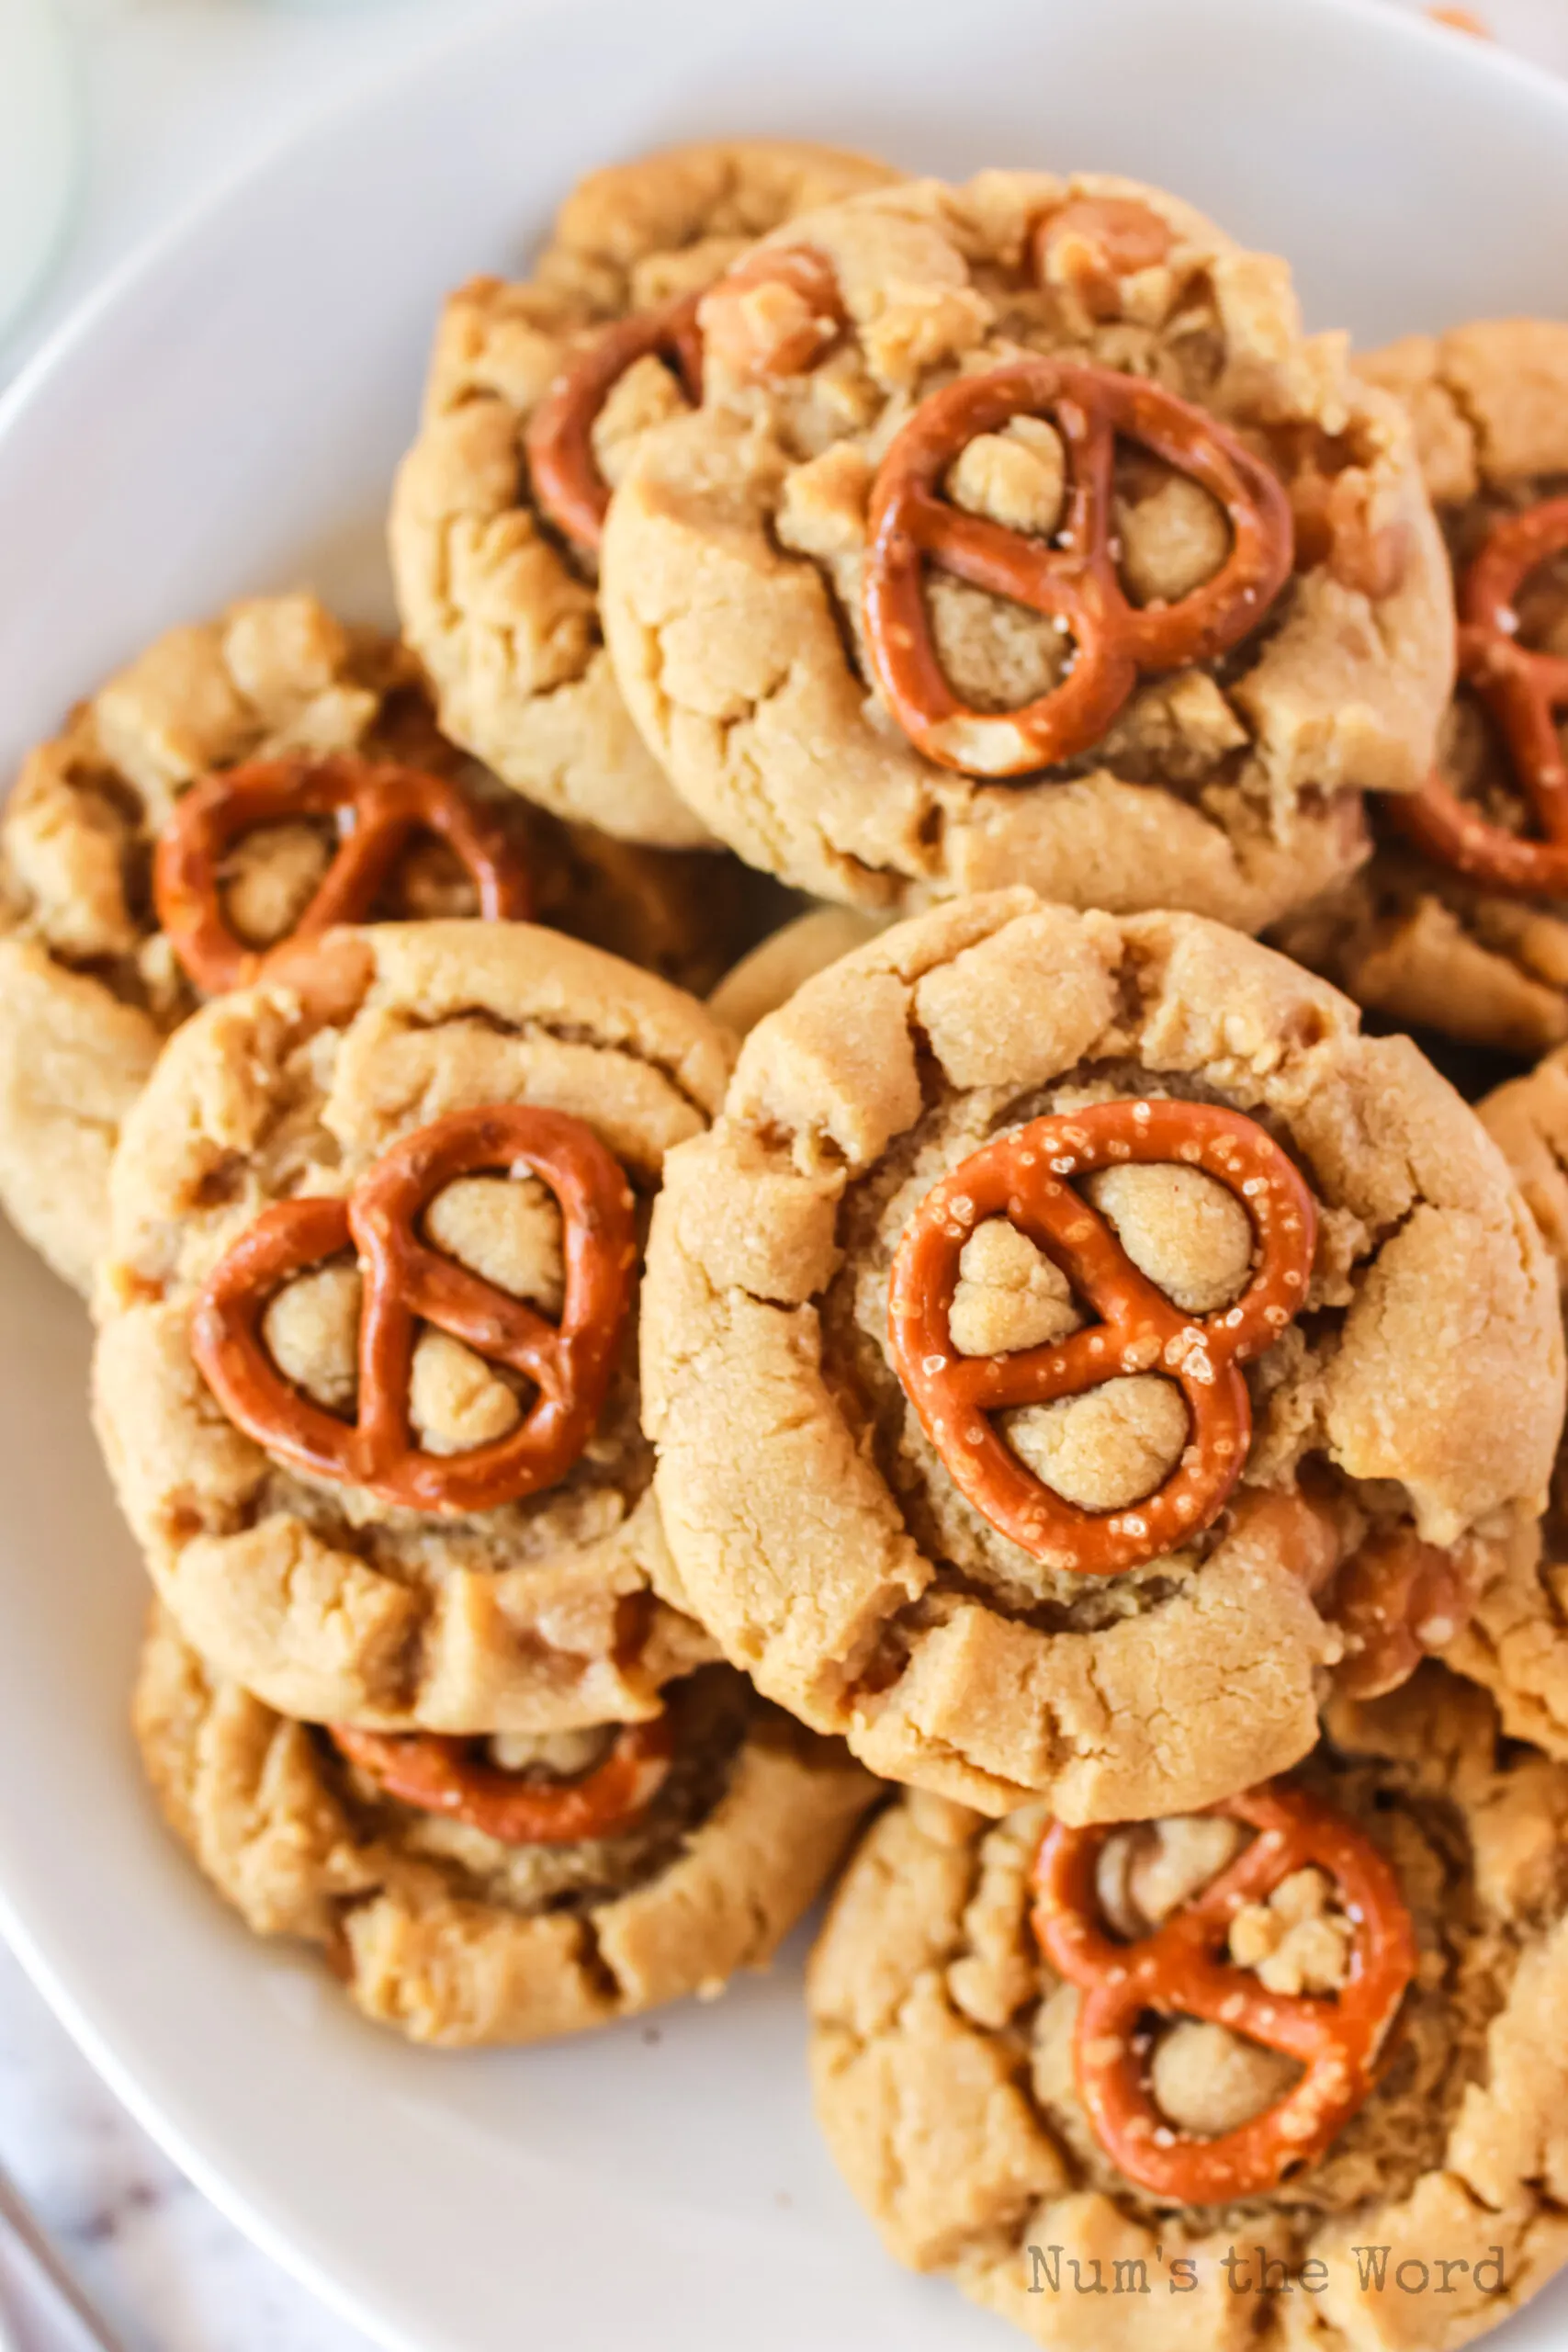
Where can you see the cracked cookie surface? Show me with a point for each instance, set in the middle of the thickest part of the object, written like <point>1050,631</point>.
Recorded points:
<point>458,1938</point>
<point>818,1532</point>
<point>735,557</point>
<point>1410,940</point>
<point>1517,1641</point>
<point>941,2060</point>
<point>502,614</point>
<point>89,983</point>
<point>548,1612</point>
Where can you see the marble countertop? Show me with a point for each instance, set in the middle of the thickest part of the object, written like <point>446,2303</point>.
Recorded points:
<point>175,92</point>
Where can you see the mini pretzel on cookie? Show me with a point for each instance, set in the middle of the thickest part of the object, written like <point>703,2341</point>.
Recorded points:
<point>1027,1177</point>
<point>567,480</point>
<point>367,1367</point>
<point>1526,692</point>
<point>272,772</point>
<point>1222,2052</point>
<point>1061,1316</point>
<point>1073,578</point>
<point>409,1284</point>
<point>378,809</point>
<point>1175,1973</point>
<point>523,1886</point>
<point>1063,558</point>
<point>538,390</point>
<point>1456,927</point>
<point>439,1775</point>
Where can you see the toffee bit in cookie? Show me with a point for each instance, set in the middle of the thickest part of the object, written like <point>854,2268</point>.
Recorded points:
<point>777,314</point>
<point>1112,1443</point>
<point>1092,243</point>
<point>1394,1600</point>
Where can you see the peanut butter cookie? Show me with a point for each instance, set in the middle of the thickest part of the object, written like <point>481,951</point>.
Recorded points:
<point>366,1371</point>
<point>789,956</point>
<point>496,587</point>
<point>1515,1638</point>
<point>1023,536</point>
<point>1071,1337</point>
<point>1459,923</point>
<point>1024,2069</point>
<point>555,1883</point>
<point>91,977</point>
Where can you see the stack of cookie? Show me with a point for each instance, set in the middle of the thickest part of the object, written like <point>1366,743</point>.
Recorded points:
<point>1020,1354</point>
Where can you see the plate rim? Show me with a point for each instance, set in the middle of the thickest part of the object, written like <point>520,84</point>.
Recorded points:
<point>116,293</point>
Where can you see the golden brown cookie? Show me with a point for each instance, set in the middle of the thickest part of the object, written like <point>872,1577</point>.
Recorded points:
<point>1430,942</point>
<point>947,2056</point>
<point>771,974</point>
<point>1515,1641</point>
<point>456,1936</point>
<point>90,981</point>
<point>450,1528</point>
<point>1191,726</point>
<point>496,600</point>
<point>1120,1596</point>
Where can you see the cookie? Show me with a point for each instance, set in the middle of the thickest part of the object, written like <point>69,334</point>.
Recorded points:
<point>1515,1638</point>
<point>1459,922</point>
<point>1072,1336</point>
<point>365,1375</point>
<point>91,977</point>
<point>618,1888</point>
<point>1097,2190</point>
<point>771,974</point>
<point>496,598</point>
<point>849,601</point>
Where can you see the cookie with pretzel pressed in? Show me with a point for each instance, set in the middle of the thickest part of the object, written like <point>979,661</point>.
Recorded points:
<point>494,536</point>
<point>770,975</point>
<point>507,1890</point>
<point>1515,1640</point>
<point>1023,536</point>
<point>182,823</point>
<point>366,1373</point>
<point>1322,2024</point>
<point>1459,922</point>
<point>1071,1338</point>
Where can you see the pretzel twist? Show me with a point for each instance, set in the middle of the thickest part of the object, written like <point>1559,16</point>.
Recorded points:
<point>569,486</point>
<point>438,1774</point>
<point>1027,1177</point>
<point>1524,692</point>
<point>378,809</point>
<point>1073,578</point>
<point>1177,1971</point>
<point>407,1281</point>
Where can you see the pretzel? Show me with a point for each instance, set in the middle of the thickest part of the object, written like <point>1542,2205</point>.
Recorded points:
<point>1073,578</point>
<point>442,1775</point>
<point>571,490</point>
<point>377,808</point>
<point>407,1281</point>
<point>1026,1177</point>
<point>1177,1971</point>
<point>1523,691</point>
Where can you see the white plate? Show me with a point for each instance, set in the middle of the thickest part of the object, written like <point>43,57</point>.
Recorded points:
<point>225,419</point>
<point>40,138</point>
